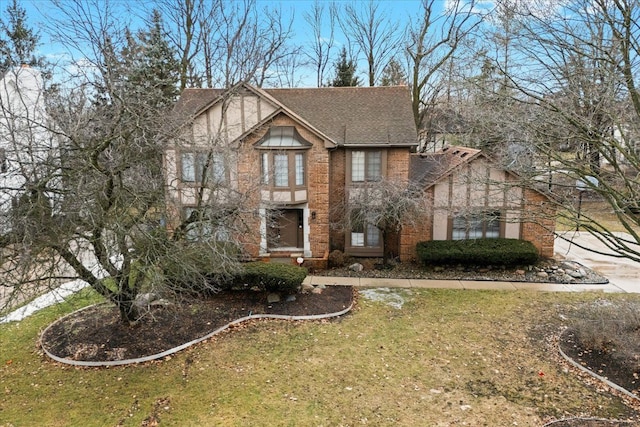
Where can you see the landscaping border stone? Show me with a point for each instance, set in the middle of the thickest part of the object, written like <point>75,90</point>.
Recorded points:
<point>593,374</point>
<point>182,346</point>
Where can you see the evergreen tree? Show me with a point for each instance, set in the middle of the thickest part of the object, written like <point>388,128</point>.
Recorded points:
<point>154,67</point>
<point>345,71</point>
<point>17,41</point>
<point>393,74</point>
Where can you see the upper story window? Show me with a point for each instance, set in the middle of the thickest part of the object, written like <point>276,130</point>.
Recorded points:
<point>283,162</point>
<point>366,166</point>
<point>282,169</point>
<point>282,136</point>
<point>479,226</point>
<point>203,168</point>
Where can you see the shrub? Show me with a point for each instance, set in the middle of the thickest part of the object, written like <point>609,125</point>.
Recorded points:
<point>195,268</point>
<point>610,328</point>
<point>477,252</point>
<point>337,258</point>
<point>271,277</point>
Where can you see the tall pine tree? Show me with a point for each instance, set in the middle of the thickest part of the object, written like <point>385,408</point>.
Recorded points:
<point>18,42</point>
<point>393,74</point>
<point>345,71</point>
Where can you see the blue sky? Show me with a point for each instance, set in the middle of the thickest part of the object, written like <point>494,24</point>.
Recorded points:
<point>39,12</point>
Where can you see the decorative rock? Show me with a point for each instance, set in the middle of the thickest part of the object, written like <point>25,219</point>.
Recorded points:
<point>542,274</point>
<point>316,291</point>
<point>560,271</point>
<point>321,286</point>
<point>576,274</point>
<point>290,298</point>
<point>306,287</point>
<point>356,267</point>
<point>273,297</point>
<point>143,300</point>
<point>438,269</point>
<point>520,272</point>
<point>483,270</point>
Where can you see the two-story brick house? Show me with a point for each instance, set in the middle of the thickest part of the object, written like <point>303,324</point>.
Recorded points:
<point>296,154</point>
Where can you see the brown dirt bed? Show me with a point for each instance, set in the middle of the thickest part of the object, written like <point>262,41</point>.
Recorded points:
<point>97,334</point>
<point>601,362</point>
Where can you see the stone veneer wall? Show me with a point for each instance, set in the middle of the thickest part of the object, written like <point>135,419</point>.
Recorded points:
<point>337,179</point>
<point>421,230</point>
<point>317,175</point>
<point>540,229</point>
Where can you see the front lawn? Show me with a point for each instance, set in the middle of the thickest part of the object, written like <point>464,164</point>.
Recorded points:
<point>446,357</point>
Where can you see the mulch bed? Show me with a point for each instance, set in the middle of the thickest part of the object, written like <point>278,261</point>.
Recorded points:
<point>98,335</point>
<point>600,362</point>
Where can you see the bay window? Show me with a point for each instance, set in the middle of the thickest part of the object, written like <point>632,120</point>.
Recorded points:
<point>281,168</point>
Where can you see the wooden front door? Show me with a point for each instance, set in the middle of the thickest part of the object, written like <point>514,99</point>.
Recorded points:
<point>285,229</point>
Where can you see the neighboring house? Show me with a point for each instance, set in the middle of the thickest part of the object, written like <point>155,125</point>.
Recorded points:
<point>296,154</point>
<point>27,148</point>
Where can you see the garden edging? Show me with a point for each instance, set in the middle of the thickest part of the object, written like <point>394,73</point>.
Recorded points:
<point>594,375</point>
<point>174,350</point>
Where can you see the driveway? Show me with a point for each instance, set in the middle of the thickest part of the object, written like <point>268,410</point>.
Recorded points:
<point>621,272</point>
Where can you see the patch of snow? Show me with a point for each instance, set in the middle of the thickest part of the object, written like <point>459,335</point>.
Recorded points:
<point>50,298</point>
<point>391,297</point>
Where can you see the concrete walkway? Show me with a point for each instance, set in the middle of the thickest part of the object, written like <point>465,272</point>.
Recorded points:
<point>365,282</point>
<point>621,272</point>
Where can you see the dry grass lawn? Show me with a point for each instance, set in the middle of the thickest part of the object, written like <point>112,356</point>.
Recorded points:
<point>445,358</point>
<point>598,211</point>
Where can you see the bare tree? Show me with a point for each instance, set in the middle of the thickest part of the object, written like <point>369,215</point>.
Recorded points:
<point>375,36</point>
<point>388,205</point>
<point>98,212</point>
<point>432,41</point>
<point>224,42</point>
<point>188,18</point>
<point>319,51</point>
<point>578,81</point>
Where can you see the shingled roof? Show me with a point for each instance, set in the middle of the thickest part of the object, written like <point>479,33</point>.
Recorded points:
<point>355,115</point>
<point>352,116</point>
<point>193,100</point>
<point>428,168</point>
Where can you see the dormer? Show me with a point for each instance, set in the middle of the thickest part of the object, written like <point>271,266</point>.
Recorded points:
<point>283,165</point>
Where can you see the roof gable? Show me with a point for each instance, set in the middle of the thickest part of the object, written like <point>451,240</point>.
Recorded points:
<point>352,116</point>
<point>428,168</point>
<point>355,116</point>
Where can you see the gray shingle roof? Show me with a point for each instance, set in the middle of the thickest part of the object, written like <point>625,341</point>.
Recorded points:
<point>355,115</point>
<point>192,101</point>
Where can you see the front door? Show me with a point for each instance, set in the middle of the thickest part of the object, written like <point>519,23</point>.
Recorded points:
<point>285,229</point>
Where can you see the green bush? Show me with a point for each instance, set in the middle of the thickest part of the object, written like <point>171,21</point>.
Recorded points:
<point>271,277</point>
<point>477,252</point>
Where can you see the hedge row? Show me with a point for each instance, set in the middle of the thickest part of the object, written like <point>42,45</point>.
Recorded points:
<point>271,277</point>
<point>477,252</point>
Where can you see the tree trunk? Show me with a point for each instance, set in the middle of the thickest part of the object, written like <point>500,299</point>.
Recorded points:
<point>129,311</point>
